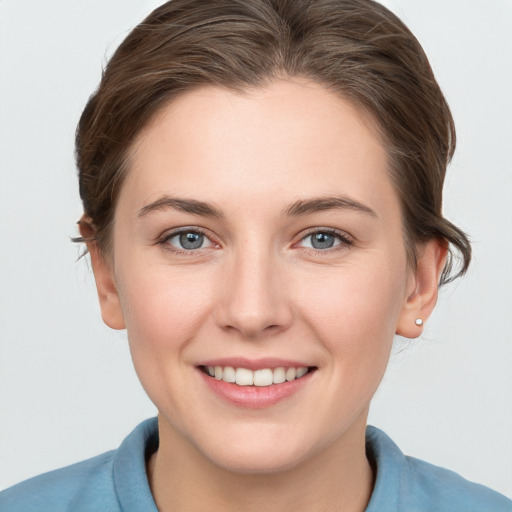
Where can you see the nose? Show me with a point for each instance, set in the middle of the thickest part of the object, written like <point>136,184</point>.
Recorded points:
<point>253,299</point>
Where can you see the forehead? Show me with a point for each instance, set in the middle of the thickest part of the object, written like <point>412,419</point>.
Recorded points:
<point>287,140</point>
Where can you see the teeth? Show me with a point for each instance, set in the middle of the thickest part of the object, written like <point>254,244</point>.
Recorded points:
<point>229,374</point>
<point>263,377</point>
<point>244,377</point>
<point>260,378</point>
<point>279,376</point>
<point>291,373</point>
<point>300,372</point>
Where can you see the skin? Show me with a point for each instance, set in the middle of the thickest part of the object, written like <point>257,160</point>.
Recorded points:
<point>257,288</point>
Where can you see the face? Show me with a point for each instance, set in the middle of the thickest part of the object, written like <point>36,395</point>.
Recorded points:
<point>258,237</point>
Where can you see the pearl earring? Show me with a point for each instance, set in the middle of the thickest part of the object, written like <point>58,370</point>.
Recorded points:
<point>418,322</point>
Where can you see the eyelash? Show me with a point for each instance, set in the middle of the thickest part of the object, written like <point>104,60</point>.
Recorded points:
<point>164,241</point>
<point>344,240</point>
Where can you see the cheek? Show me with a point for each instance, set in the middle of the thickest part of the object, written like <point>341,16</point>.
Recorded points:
<point>161,304</point>
<point>163,312</point>
<point>354,310</point>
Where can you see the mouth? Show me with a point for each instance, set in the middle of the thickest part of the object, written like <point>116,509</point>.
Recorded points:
<point>262,377</point>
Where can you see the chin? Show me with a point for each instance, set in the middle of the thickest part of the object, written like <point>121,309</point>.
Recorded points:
<point>262,456</point>
<point>260,462</point>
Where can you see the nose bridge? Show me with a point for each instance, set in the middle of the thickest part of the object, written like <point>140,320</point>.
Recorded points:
<point>254,301</point>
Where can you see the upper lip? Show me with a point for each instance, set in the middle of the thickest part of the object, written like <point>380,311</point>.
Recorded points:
<point>254,364</point>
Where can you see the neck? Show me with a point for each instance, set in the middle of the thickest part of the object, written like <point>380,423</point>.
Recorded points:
<point>338,478</point>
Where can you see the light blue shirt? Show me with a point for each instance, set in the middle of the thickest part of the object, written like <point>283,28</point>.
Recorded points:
<point>116,482</point>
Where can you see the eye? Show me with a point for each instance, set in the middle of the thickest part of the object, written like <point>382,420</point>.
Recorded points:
<point>324,239</point>
<point>188,240</point>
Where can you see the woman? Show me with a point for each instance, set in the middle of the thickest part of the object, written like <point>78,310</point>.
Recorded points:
<point>262,206</point>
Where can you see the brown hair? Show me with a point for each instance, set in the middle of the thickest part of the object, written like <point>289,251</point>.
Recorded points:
<point>357,48</point>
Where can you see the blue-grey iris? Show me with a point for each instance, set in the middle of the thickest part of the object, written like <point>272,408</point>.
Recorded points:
<point>191,240</point>
<point>322,240</point>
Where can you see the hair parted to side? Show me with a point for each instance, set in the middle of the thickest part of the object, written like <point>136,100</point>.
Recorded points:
<point>357,48</point>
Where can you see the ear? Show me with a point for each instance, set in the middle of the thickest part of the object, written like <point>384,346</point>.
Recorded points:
<point>110,305</point>
<point>423,288</point>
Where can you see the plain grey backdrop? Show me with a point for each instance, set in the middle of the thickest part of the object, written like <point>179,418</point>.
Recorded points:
<point>68,390</point>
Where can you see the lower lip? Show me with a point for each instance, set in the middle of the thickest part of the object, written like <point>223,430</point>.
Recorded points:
<point>255,397</point>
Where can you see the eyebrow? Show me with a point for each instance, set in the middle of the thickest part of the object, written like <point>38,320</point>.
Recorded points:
<point>298,208</point>
<point>184,205</point>
<point>318,204</point>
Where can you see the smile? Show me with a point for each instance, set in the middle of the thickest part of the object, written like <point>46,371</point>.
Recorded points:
<point>260,378</point>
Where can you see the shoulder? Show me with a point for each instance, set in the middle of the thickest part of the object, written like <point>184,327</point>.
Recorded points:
<point>112,482</point>
<point>58,490</point>
<point>441,488</point>
<point>408,484</point>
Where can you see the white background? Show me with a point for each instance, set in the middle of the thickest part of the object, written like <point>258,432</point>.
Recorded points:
<point>68,390</point>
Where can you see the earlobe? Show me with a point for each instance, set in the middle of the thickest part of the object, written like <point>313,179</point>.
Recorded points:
<point>423,292</point>
<point>110,306</point>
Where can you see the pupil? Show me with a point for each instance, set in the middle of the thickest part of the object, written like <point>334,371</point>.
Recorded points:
<point>322,241</point>
<point>191,240</point>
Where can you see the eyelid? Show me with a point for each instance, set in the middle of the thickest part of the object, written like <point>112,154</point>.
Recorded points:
<point>346,240</point>
<point>167,235</point>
